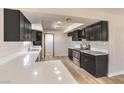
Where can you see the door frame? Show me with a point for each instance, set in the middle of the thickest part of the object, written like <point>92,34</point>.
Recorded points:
<point>44,43</point>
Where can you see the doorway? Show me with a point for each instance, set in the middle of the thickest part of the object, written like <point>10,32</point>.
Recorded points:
<point>48,45</point>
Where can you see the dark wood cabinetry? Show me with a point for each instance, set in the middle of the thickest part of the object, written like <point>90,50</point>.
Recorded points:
<point>97,31</point>
<point>77,35</point>
<point>16,26</point>
<point>27,30</point>
<point>37,37</point>
<point>96,65</point>
<point>70,33</point>
<point>70,53</point>
<point>94,32</point>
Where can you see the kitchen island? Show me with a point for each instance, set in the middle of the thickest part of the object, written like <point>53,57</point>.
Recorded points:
<point>24,70</point>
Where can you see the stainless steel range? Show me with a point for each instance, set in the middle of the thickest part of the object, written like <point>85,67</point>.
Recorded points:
<point>76,57</point>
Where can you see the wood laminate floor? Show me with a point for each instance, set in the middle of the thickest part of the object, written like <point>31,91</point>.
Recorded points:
<point>83,77</point>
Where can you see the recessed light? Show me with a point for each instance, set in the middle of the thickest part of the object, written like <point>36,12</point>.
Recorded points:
<point>57,72</point>
<point>59,22</point>
<point>59,78</point>
<point>35,73</point>
<point>55,68</point>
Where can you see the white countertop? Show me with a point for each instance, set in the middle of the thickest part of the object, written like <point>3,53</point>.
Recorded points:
<point>95,53</point>
<point>91,52</point>
<point>24,69</point>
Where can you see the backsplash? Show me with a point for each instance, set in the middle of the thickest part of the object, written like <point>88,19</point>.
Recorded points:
<point>99,46</point>
<point>75,44</point>
<point>94,45</point>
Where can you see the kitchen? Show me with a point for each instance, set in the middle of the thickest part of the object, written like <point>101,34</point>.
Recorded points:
<point>87,46</point>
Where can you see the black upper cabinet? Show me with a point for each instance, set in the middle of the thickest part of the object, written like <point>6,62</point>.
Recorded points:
<point>27,30</point>
<point>94,32</point>
<point>70,33</point>
<point>83,34</point>
<point>37,37</point>
<point>97,31</point>
<point>77,35</point>
<point>16,26</point>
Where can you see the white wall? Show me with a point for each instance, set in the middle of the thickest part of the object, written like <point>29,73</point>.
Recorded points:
<point>100,46</point>
<point>61,43</point>
<point>95,45</point>
<point>9,50</point>
<point>37,27</point>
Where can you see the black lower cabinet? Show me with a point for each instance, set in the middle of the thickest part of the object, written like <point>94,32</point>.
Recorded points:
<point>95,65</point>
<point>70,53</point>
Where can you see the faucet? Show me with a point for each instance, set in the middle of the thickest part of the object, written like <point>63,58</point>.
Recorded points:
<point>85,45</point>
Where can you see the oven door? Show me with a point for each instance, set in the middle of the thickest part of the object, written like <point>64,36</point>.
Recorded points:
<point>76,58</point>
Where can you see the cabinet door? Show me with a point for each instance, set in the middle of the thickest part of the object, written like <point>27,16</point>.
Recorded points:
<point>11,25</point>
<point>97,32</point>
<point>88,33</point>
<point>92,34</point>
<point>74,36</point>
<point>70,54</point>
<point>89,63</point>
<point>22,27</point>
<point>77,36</point>
<point>104,31</point>
<point>39,36</point>
<point>83,34</point>
<point>92,64</point>
<point>82,63</point>
<point>27,30</point>
<point>33,35</point>
<point>86,62</point>
<point>70,34</point>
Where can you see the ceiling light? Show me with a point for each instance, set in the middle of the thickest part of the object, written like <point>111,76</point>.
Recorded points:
<point>59,78</point>
<point>55,68</point>
<point>35,73</point>
<point>57,72</point>
<point>59,22</point>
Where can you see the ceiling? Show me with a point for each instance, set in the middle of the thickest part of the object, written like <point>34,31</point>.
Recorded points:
<point>116,11</point>
<point>55,25</point>
<point>49,21</point>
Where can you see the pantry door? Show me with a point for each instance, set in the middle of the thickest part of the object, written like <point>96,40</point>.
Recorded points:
<point>49,45</point>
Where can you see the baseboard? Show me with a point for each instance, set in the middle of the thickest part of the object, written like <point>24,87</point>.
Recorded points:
<point>116,73</point>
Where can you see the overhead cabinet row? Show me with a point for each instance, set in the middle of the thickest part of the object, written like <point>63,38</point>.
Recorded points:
<point>16,26</point>
<point>94,32</point>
